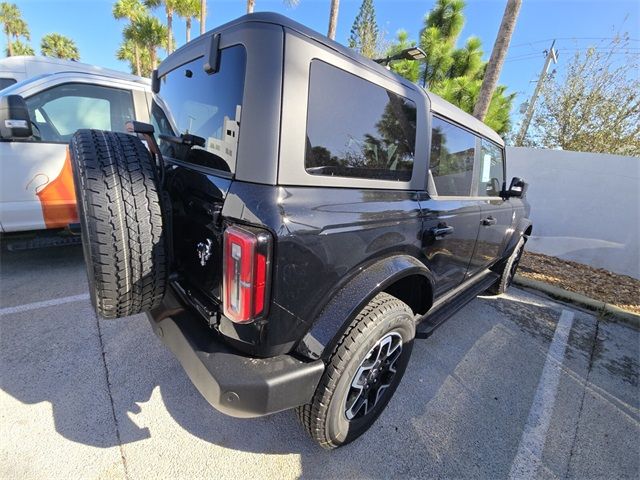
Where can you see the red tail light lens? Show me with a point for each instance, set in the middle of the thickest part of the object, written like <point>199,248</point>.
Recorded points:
<point>247,258</point>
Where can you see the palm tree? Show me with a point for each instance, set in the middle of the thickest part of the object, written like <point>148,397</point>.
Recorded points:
<point>151,34</point>
<point>203,16</point>
<point>170,7</point>
<point>139,60</point>
<point>333,19</point>
<point>131,10</point>
<point>59,46</point>
<point>188,9</point>
<point>14,27</point>
<point>498,54</point>
<point>19,48</point>
<point>252,3</point>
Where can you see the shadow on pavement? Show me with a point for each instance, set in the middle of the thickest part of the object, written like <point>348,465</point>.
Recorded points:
<point>460,409</point>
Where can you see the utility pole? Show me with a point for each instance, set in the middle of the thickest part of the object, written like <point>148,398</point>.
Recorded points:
<point>552,56</point>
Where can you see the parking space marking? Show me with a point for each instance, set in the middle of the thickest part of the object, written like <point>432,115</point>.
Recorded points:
<point>44,304</point>
<point>529,456</point>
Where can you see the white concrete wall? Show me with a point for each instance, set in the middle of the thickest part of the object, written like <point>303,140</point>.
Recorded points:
<point>584,207</point>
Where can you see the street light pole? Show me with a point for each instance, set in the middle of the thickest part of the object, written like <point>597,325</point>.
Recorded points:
<point>552,56</point>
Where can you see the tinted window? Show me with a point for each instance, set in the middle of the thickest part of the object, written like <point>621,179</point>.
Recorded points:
<point>5,82</point>
<point>58,112</point>
<point>491,171</point>
<point>356,128</point>
<point>208,106</point>
<point>452,154</point>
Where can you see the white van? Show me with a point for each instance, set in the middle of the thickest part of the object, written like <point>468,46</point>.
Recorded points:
<point>36,183</point>
<point>19,68</point>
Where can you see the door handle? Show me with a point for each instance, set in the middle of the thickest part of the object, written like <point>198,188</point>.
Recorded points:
<point>442,230</point>
<point>489,221</point>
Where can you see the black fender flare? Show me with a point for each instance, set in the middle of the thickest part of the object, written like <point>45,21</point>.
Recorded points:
<point>351,298</point>
<point>519,231</point>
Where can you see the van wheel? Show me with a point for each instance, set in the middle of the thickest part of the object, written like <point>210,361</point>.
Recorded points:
<point>121,219</point>
<point>509,270</point>
<point>362,373</point>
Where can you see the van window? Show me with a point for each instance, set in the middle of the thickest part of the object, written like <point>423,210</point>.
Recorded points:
<point>356,128</point>
<point>6,82</point>
<point>59,111</point>
<point>452,155</point>
<point>209,106</point>
<point>491,169</point>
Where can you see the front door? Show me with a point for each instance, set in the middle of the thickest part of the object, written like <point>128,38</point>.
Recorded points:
<point>496,213</point>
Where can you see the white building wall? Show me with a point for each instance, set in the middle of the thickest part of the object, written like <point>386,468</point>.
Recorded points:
<point>584,207</point>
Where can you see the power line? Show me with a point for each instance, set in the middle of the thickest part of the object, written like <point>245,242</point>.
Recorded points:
<point>570,38</point>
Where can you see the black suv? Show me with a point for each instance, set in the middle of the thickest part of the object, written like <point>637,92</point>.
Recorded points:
<point>303,215</point>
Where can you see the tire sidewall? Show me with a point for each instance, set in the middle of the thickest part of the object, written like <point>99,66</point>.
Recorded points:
<point>340,430</point>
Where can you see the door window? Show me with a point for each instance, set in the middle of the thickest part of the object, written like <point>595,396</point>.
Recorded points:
<point>59,111</point>
<point>452,156</point>
<point>491,170</point>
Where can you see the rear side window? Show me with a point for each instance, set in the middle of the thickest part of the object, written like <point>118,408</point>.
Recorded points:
<point>452,155</point>
<point>356,128</point>
<point>209,106</point>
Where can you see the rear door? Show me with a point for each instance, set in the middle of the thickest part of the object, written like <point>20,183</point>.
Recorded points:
<point>496,213</point>
<point>451,216</point>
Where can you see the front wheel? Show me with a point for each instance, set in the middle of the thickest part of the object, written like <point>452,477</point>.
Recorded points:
<point>509,270</point>
<point>362,374</point>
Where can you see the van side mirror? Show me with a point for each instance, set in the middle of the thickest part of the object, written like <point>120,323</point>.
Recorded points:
<point>14,118</point>
<point>518,188</point>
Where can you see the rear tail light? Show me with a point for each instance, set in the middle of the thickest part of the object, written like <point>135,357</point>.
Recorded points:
<point>246,270</point>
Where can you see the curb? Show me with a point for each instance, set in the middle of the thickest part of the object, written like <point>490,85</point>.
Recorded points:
<point>631,319</point>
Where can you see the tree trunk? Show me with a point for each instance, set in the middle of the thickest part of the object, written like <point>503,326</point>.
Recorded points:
<point>333,19</point>
<point>154,57</point>
<point>250,5</point>
<point>188,29</point>
<point>496,60</point>
<point>136,51</point>
<point>203,16</point>
<point>169,31</point>
<point>9,45</point>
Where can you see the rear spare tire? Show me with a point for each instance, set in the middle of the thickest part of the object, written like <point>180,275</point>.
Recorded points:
<point>121,217</point>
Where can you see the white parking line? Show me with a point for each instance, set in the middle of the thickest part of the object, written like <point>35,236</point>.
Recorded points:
<point>46,303</point>
<point>529,456</point>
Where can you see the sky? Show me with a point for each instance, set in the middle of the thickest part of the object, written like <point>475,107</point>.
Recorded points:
<point>575,24</point>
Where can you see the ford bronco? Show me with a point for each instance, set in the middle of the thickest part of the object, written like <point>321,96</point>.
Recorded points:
<point>292,219</point>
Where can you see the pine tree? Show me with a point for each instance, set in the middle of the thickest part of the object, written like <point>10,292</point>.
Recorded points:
<point>364,31</point>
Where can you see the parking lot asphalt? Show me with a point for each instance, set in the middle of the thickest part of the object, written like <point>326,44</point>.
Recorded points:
<point>516,386</point>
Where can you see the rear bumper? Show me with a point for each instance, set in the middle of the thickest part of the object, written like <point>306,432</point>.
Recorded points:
<point>235,384</point>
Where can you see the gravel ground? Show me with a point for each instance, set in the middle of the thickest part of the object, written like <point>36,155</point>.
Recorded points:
<point>515,386</point>
<point>619,290</point>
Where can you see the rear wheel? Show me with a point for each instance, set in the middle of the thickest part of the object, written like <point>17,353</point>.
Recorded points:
<point>122,224</point>
<point>362,374</point>
<point>509,270</point>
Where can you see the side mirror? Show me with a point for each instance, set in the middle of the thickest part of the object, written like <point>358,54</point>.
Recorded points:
<point>518,188</point>
<point>14,118</point>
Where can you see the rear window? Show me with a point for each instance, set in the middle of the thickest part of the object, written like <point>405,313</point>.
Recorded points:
<point>7,82</point>
<point>209,106</point>
<point>356,128</point>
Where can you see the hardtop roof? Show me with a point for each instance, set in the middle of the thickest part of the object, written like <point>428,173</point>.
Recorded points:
<point>438,104</point>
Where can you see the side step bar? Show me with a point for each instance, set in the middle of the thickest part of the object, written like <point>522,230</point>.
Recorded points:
<point>446,307</point>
